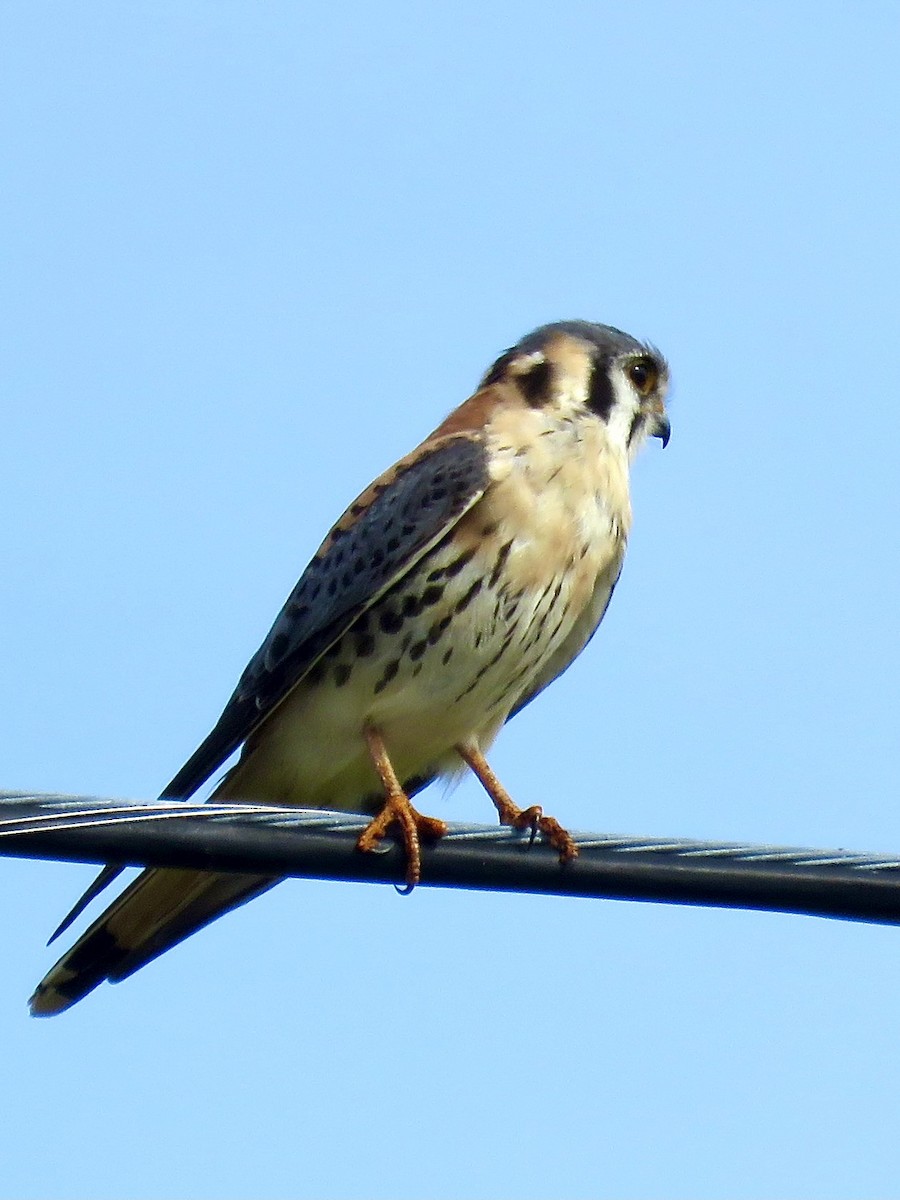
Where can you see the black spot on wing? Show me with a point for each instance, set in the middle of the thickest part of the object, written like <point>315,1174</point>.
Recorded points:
<point>408,513</point>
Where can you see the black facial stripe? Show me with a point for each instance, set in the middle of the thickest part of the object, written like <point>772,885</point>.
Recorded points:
<point>636,421</point>
<point>535,384</point>
<point>600,397</point>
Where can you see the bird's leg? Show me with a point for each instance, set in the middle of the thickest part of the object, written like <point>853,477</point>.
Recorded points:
<point>396,810</point>
<point>510,814</point>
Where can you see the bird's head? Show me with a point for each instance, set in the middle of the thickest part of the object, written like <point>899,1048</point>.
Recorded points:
<point>577,370</point>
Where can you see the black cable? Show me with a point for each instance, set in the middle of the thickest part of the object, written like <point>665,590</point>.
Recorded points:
<point>319,844</point>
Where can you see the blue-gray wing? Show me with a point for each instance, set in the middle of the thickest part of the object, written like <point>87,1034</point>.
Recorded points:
<point>402,516</point>
<point>396,521</point>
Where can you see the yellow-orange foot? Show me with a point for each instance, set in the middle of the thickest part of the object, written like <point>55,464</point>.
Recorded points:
<point>510,814</point>
<point>397,810</point>
<point>413,826</point>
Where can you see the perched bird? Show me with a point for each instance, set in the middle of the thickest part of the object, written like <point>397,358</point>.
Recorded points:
<point>450,593</point>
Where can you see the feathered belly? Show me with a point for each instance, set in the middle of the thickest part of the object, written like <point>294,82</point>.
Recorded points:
<point>444,656</point>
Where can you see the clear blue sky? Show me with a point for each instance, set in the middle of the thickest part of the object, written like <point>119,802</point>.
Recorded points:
<point>252,253</point>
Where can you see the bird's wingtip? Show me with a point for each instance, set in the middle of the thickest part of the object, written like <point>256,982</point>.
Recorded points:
<point>47,1002</point>
<point>110,872</point>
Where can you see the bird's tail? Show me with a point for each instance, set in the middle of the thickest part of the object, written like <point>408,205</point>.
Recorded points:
<point>159,909</point>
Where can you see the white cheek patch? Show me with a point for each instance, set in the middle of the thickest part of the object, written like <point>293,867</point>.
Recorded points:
<point>626,407</point>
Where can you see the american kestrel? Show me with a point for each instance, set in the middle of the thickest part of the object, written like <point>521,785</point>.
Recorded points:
<point>450,593</point>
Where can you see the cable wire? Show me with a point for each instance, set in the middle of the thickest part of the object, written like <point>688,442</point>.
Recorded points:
<point>319,844</point>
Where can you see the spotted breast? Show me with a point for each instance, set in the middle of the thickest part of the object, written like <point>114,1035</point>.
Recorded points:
<point>490,616</point>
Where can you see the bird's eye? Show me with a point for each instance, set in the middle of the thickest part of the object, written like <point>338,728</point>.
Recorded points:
<point>644,374</point>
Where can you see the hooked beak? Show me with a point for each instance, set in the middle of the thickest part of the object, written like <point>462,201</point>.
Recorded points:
<point>661,428</point>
